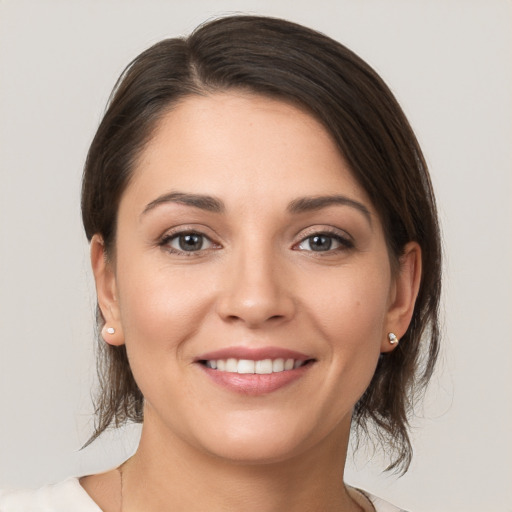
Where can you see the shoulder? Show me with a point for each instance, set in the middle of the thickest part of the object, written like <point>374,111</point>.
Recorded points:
<point>62,497</point>
<point>70,495</point>
<point>380,505</point>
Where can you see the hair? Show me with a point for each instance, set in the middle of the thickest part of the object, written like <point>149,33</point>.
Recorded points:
<point>289,62</point>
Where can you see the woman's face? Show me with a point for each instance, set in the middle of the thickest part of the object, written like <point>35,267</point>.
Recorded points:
<point>244,244</point>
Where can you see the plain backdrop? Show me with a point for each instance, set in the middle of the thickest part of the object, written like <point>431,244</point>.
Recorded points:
<point>449,64</point>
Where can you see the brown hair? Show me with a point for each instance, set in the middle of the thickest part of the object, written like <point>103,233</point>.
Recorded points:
<point>283,60</point>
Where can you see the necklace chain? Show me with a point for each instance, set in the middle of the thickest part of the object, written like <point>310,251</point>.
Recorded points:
<point>121,487</point>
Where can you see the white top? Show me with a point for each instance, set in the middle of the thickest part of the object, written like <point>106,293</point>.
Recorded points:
<point>70,496</point>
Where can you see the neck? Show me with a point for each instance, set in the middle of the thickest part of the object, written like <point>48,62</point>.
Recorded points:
<point>172,475</point>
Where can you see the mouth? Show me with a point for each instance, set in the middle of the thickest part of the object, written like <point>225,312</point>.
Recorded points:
<point>259,366</point>
<point>254,371</point>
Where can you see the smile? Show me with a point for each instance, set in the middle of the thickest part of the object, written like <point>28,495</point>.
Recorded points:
<point>255,371</point>
<point>248,366</point>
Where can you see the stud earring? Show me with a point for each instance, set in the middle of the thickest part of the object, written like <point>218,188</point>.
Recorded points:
<point>393,340</point>
<point>111,330</point>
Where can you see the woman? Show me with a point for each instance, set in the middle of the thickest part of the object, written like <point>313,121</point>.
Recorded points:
<point>267,261</point>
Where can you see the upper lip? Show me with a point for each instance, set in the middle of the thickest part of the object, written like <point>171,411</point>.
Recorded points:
<point>253,354</point>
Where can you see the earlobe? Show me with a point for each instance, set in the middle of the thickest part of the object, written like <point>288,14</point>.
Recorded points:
<point>406,288</point>
<point>106,291</point>
<point>112,336</point>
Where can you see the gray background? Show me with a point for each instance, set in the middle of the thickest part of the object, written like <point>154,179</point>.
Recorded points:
<point>448,63</point>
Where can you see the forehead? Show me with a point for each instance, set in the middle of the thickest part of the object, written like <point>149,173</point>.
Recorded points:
<point>242,146</point>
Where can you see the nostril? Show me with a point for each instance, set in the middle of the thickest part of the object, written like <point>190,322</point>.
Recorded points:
<point>254,305</point>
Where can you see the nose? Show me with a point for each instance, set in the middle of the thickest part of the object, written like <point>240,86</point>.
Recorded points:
<point>256,291</point>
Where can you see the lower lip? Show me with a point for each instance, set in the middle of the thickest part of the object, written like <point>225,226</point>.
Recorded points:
<point>254,383</point>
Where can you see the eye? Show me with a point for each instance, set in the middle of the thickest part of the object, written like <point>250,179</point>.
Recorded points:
<point>323,242</point>
<point>187,242</point>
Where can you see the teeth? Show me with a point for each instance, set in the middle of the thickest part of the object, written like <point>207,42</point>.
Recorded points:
<point>261,367</point>
<point>278,365</point>
<point>245,366</point>
<point>264,366</point>
<point>288,364</point>
<point>232,366</point>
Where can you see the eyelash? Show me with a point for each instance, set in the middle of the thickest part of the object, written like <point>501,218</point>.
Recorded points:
<point>170,237</point>
<point>345,243</point>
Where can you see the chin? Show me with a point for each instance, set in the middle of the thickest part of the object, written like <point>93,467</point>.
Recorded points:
<point>255,453</point>
<point>259,443</point>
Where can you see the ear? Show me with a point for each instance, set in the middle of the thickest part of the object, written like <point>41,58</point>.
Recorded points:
<point>106,291</point>
<point>405,290</point>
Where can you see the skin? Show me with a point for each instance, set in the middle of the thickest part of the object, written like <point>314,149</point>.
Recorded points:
<point>256,281</point>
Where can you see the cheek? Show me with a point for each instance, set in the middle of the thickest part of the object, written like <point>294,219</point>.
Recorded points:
<point>351,303</point>
<point>161,310</point>
<point>160,307</point>
<point>351,314</point>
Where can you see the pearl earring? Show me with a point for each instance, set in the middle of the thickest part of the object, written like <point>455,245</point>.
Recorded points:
<point>392,338</point>
<point>111,330</point>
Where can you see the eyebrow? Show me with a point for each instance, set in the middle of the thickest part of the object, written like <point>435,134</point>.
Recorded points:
<point>208,203</point>
<point>299,205</point>
<point>309,204</point>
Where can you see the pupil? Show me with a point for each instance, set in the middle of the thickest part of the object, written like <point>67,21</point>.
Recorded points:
<point>321,243</point>
<point>190,242</point>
